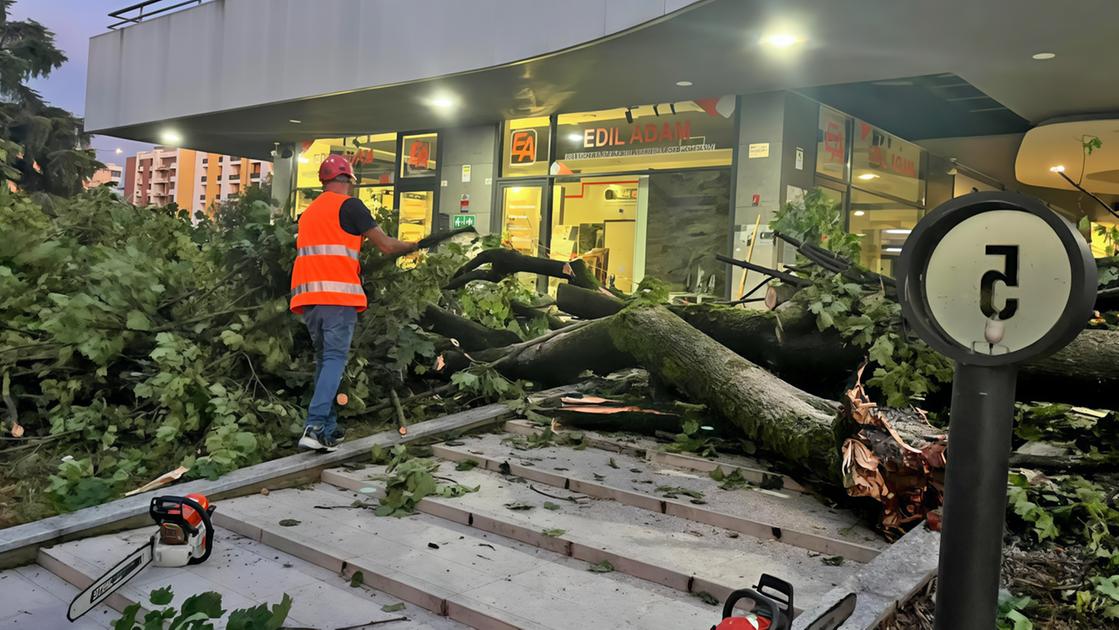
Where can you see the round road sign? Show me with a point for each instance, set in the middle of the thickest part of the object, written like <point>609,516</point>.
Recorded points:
<point>996,278</point>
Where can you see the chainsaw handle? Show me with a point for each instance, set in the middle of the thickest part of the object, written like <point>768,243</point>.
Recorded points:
<point>161,510</point>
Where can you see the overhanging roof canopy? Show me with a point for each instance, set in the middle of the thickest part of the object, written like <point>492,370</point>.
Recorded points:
<point>634,55</point>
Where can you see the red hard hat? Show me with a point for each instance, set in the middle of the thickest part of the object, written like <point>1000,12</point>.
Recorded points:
<point>335,166</point>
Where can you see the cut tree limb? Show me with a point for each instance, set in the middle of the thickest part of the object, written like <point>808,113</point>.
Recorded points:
<point>586,303</point>
<point>470,334</point>
<point>504,262</point>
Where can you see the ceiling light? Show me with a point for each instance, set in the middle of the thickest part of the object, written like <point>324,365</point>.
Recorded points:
<point>892,250</point>
<point>170,138</point>
<point>897,231</point>
<point>859,213</point>
<point>444,102</point>
<point>1060,168</point>
<point>780,40</point>
<point>684,84</point>
<point>866,177</point>
<point>118,151</point>
<point>1042,56</point>
<point>295,121</point>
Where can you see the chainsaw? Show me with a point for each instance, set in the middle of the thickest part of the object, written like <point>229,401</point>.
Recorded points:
<point>185,537</point>
<point>771,608</point>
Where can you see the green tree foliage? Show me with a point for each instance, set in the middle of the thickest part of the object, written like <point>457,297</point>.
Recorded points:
<point>132,341</point>
<point>41,147</point>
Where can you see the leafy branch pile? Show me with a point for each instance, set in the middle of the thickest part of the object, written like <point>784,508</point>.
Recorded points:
<point>132,342</point>
<point>408,479</point>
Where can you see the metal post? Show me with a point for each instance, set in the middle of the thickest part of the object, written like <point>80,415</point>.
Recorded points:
<point>975,497</point>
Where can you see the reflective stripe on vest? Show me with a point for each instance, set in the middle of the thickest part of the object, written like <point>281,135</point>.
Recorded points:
<point>328,286</point>
<point>326,250</point>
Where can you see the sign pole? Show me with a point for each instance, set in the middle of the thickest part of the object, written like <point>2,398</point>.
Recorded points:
<point>990,280</point>
<point>975,497</point>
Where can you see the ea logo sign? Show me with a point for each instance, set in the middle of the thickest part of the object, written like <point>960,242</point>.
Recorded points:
<point>522,147</point>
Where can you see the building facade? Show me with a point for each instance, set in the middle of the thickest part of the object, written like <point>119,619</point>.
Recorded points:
<point>645,137</point>
<point>110,175</point>
<point>194,180</point>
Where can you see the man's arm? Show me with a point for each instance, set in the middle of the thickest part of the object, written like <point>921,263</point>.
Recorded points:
<point>387,244</point>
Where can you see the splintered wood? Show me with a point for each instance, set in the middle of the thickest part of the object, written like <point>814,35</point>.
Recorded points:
<point>904,474</point>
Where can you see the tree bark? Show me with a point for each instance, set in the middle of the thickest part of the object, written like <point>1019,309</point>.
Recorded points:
<point>586,303</point>
<point>1083,373</point>
<point>504,262</point>
<point>780,418</point>
<point>470,334</point>
<point>778,294</point>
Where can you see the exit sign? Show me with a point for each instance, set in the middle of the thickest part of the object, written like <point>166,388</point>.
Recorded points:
<point>463,220</point>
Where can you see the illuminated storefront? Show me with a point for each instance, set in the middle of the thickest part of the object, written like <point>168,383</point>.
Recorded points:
<point>397,177</point>
<point>633,191</point>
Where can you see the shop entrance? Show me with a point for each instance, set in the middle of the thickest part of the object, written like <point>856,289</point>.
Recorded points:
<point>600,220</point>
<point>522,212</point>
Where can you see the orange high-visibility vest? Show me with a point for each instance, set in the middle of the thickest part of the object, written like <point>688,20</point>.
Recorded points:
<point>326,263</point>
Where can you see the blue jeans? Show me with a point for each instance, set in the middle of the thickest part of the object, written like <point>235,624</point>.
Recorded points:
<point>332,329</point>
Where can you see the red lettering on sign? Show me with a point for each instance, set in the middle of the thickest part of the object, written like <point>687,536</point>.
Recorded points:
<point>833,142</point>
<point>522,147</point>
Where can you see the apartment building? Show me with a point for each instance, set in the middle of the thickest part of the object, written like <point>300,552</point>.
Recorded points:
<point>192,179</point>
<point>109,175</point>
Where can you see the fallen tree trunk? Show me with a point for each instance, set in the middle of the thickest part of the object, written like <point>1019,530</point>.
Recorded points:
<point>783,419</point>
<point>586,303</point>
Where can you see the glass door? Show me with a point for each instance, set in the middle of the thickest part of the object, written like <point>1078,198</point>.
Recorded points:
<point>522,212</point>
<point>600,220</point>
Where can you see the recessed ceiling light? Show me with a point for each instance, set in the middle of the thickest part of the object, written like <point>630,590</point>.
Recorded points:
<point>684,84</point>
<point>1042,56</point>
<point>295,121</point>
<point>170,137</point>
<point>892,250</point>
<point>897,231</point>
<point>118,151</point>
<point>443,102</point>
<point>866,177</point>
<point>780,40</point>
<point>860,213</point>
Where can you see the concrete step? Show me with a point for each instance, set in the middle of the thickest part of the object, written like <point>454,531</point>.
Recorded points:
<point>246,573</point>
<point>473,577</point>
<point>791,517</point>
<point>642,447</point>
<point>33,597</point>
<point>661,548</point>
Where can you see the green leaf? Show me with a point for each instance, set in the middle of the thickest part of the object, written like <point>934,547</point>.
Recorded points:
<point>127,620</point>
<point>390,608</point>
<point>518,506</point>
<point>199,607</point>
<point>161,596</point>
<point>137,320</point>
<point>289,522</point>
<point>601,567</point>
<point>357,579</point>
<point>548,505</point>
<point>833,561</point>
<point>466,464</point>
<point>554,533</point>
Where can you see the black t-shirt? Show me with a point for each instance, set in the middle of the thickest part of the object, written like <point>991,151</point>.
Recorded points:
<point>355,218</point>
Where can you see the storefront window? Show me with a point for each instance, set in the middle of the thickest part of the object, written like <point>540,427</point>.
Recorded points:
<point>882,225</point>
<point>883,163</point>
<point>373,157</point>
<point>415,214</point>
<point>595,219</point>
<point>522,207</point>
<point>526,144</point>
<point>419,155</point>
<point>831,144</point>
<point>685,134</point>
